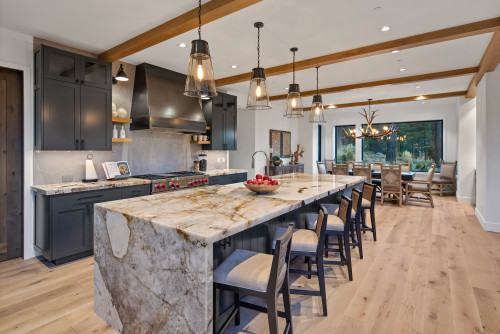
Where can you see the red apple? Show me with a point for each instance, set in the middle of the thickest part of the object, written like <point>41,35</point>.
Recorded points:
<point>275,183</point>
<point>265,177</point>
<point>258,176</point>
<point>249,182</point>
<point>267,183</point>
<point>260,181</point>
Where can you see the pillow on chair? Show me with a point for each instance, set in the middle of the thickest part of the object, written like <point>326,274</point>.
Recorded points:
<point>447,171</point>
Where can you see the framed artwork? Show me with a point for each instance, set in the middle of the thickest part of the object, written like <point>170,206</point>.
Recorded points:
<point>281,142</point>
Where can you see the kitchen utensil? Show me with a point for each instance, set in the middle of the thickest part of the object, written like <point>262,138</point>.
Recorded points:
<point>262,188</point>
<point>90,173</point>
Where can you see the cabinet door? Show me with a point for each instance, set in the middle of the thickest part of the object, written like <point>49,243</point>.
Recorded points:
<point>230,130</point>
<point>60,65</point>
<point>95,119</point>
<point>217,140</point>
<point>60,115</point>
<point>95,73</point>
<point>70,228</point>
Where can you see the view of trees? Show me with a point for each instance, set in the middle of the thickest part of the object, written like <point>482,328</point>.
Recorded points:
<point>419,143</point>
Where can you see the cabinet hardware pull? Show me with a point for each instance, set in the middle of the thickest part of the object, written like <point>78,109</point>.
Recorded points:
<point>81,144</point>
<point>89,197</point>
<point>76,143</point>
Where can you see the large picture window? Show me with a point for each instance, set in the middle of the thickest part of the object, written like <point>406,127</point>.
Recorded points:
<point>419,143</point>
<point>345,147</point>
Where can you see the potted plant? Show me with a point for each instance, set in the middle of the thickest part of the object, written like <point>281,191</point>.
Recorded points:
<point>276,160</point>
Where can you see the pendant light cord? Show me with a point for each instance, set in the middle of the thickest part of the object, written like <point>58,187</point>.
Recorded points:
<point>199,19</point>
<point>317,80</point>
<point>258,47</point>
<point>293,66</point>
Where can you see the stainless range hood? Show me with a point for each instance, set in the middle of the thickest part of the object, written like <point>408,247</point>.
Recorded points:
<point>159,102</point>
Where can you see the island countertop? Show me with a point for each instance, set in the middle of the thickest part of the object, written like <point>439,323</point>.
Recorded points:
<point>209,214</point>
<point>74,187</point>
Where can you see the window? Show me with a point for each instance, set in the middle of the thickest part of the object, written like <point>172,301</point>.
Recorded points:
<point>345,147</point>
<point>419,143</point>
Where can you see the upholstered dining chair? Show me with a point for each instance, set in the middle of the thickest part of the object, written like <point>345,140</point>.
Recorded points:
<point>421,187</point>
<point>321,167</point>
<point>259,275</point>
<point>340,169</point>
<point>328,165</point>
<point>447,178</point>
<point>391,188</point>
<point>310,243</point>
<point>363,170</point>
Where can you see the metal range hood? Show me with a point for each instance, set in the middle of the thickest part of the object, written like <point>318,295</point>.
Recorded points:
<point>159,102</point>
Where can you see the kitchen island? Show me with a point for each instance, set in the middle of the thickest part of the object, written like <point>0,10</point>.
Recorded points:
<point>155,255</point>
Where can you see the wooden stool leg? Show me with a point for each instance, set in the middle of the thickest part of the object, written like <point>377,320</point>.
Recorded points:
<point>360,243</point>
<point>272,313</point>
<point>287,304</point>
<point>321,278</point>
<point>374,228</point>
<point>309,266</point>
<point>348,257</point>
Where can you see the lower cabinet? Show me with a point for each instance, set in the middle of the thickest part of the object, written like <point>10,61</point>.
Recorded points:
<point>280,170</point>
<point>227,179</point>
<point>64,224</point>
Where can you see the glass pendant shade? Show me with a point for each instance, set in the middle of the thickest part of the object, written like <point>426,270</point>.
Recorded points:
<point>257,93</point>
<point>200,81</point>
<point>316,114</point>
<point>294,102</point>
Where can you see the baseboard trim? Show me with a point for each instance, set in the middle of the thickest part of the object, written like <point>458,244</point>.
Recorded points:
<point>487,226</point>
<point>464,199</point>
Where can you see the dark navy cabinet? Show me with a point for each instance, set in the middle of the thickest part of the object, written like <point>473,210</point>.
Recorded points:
<point>72,101</point>
<point>221,115</point>
<point>227,179</point>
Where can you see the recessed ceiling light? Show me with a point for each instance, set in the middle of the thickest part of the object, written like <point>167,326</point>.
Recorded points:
<point>402,69</point>
<point>395,51</point>
<point>286,88</point>
<point>234,66</point>
<point>385,28</point>
<point>417,86</point>
<point>182,45</point>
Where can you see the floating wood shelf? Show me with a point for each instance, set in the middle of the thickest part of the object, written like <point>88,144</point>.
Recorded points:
<point>121,120</point>
<point>122,140</point>
<point>200,142</point>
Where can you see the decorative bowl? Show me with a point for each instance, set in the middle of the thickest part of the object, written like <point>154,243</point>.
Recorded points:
<point>277,162</point>
<point>262,188</point>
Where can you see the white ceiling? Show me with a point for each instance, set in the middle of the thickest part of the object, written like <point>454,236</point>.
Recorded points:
<point>317,27</point>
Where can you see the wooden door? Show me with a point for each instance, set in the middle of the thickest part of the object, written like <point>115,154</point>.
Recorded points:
<point>11,164</point>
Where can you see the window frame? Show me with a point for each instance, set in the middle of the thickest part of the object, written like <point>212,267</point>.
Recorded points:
<point>352,126</point>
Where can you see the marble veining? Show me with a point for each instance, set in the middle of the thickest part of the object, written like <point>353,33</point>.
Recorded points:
<point>153,254</point>
<point>74,187</point>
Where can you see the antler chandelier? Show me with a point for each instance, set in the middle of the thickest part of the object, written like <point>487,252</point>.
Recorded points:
<point>369,131</point>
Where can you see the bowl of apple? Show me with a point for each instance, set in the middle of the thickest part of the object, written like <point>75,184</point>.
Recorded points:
<point>262,184</point>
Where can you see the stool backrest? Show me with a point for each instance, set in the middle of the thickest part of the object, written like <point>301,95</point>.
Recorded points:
<point>321,228</point>
<point>356,201</point>
<point>369,192</point>
<point>281,261</point>
<point>363,170</point>
<point>340,169</point>
<point>345,211</point>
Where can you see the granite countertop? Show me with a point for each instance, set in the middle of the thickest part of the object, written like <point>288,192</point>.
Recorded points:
<point>74,187</point>
<point>218,172</point>
<point>209,214</point>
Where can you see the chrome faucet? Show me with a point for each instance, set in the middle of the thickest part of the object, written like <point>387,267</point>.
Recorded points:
<point>253,157</point>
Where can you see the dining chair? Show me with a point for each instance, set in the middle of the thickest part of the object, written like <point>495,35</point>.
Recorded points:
<point>421,187</point>
<point>340,169</point>
<point>447,178</point>
<point>260,275</point>
<point>350,164</point>
<point>328,165</point>
<point>391,184</point>
<point>321,167</point>
<point>377,166</point>
<point>309,243</point>
<point>405,166</point>
<point>363,170</point>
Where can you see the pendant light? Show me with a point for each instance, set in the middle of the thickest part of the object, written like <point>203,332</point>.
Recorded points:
<point>257,93</point>
<point>200,81</point>
<point>316,114</point>
<point>293,106</point>
<point>120,75</point>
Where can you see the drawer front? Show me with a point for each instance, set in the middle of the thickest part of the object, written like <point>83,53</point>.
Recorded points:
<point>228,179</point>
<point>238,177</point>
<point>136,191</point>
<point>84,197</point>
<point>213,180</point>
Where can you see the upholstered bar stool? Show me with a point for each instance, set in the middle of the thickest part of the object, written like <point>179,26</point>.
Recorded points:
<point>337,226</point>
<point>310,243</point>
<point>368,203</point>
<point>260,275</point>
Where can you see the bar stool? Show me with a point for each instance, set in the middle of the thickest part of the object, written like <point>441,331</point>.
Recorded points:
<point>260,275</point>
<point>310,244</point>
<point>340,227</point>
<point>368,203</point>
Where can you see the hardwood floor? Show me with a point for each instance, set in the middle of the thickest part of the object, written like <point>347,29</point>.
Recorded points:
<point>431,271</point>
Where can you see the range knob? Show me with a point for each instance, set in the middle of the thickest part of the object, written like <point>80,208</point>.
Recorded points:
<point>163,186</point>
<point>177,185</point>
<point>206,180</point>
<point>191,184</point>
<point>172,185</point>
<point>157,186</point>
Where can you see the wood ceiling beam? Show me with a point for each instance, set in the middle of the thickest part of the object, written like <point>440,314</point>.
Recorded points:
<point>443,35</point>
<point>210,11</point>
<point>488,63</point>
<point>395,100</point>
<point>394,81</point>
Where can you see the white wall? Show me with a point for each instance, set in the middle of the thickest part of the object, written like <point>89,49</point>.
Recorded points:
<point>16,52</point>
<point>242,157</point>
<point>441,109</point>
<point>466,167</point>
<point>487,151</point>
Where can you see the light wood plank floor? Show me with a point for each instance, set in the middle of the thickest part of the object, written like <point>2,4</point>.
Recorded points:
<point>431,271</point>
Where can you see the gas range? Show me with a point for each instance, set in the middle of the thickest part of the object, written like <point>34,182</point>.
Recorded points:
<point>162,182</point>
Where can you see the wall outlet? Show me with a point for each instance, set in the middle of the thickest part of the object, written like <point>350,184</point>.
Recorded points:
<point>67,178</point>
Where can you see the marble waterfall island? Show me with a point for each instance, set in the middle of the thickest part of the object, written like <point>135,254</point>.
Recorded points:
<point>153,263</point>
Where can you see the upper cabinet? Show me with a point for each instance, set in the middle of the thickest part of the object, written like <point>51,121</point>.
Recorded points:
<point>72,101</point>
<point>221,115</point>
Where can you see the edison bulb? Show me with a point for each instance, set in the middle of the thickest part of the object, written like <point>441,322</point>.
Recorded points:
<point>199,72</point>
<point>317,110</point>
<point>294,103</point>
<point>258,91</point>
